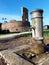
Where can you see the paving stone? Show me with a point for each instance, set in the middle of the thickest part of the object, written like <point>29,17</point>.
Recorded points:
<point>13,59</point>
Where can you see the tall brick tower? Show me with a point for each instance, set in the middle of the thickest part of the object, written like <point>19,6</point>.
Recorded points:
<point>25,20</point>
<point>24,14</point>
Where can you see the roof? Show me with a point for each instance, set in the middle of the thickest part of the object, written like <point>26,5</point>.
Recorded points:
<point>46,25</point>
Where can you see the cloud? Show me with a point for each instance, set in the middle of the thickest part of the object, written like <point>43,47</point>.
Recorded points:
<point>9,17</point>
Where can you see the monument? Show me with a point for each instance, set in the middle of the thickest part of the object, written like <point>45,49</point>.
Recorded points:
<point>24,14</point>
<point>25,20</point>
<point>18,26</point>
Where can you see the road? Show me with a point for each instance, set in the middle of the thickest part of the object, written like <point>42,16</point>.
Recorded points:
<point>11,36</point>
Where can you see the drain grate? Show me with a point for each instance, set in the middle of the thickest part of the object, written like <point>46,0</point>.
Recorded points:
<point>22,55</point>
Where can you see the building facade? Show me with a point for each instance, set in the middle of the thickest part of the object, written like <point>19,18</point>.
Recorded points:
<point>18,26</point>
<point>46,27</point>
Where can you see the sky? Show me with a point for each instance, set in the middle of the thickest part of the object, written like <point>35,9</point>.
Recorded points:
<point>11,9</point>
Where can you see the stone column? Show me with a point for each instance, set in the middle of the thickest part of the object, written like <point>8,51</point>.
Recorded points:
<point>37,27</point>
<point>37,24</point>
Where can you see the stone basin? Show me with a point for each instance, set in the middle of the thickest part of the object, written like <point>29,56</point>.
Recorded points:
<point>37,59</point>
<point>22,56</point>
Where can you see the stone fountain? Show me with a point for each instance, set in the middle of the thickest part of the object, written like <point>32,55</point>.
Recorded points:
<point>37,28</point>
<point>36,53</point>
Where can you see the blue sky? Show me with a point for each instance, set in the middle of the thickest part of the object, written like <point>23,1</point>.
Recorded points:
<point>11,9</point>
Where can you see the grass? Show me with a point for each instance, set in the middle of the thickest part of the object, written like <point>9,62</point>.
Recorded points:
<point>8,33</point>
<point>25,35</point>
<point>2,34</point>
<point>22,35</point>
<point>46,32</point>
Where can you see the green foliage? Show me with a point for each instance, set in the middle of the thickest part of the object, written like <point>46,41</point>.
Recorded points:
<point>22,35</point>
<point>25,35</point>
<point>46,32</point>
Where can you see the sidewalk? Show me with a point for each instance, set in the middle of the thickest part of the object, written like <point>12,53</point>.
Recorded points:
<point>11,36</point>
